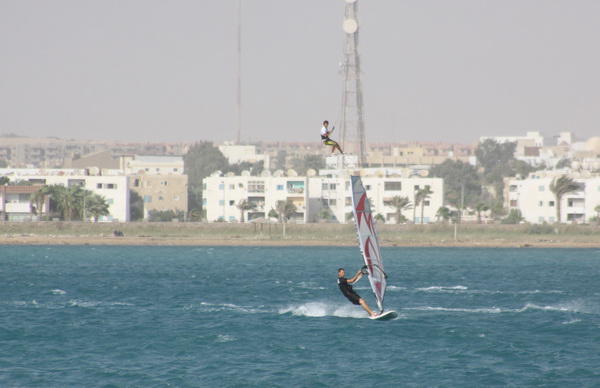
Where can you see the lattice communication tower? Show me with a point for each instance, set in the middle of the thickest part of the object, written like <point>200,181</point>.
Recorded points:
<point>352,128</point>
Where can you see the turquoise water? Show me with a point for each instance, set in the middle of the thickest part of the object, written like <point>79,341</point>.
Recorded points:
<point>85,316</point>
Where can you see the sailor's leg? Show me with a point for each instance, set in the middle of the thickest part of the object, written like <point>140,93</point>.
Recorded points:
<point>366,306</point>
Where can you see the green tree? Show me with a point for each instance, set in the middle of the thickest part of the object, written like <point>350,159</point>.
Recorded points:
<point>479,208</point>
<point>285,210</point>
<point>280,159</point>
<point>443,213</point>
<point>68,200</point>
<point>4,180</point>
<point>514,217</point>
<point>490,153</point>
<point>136,206</point>
<point>201,160</point>
<point>399,203</point>
<point>273,214</point>
<point>165,215</point>
<point>564,162</point>
<point>420,197</point>
<point>560,187</point>
<point>38,199</point>
<point>597,210</point>
<point>96,205</point>
<point>244,206</point>
<point>461,182</point>
<point>497,211</point>
<point>302,165</point>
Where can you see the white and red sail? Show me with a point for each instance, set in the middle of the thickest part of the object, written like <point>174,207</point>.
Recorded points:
<point>367,239</point>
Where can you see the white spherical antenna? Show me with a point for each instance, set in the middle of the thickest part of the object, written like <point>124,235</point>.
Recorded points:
<point>245,173</point>
<point>350,26</point>
<point>350,1</point>
<point>311,172</point>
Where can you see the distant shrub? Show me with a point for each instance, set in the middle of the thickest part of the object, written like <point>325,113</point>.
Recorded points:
<point>540,229</point>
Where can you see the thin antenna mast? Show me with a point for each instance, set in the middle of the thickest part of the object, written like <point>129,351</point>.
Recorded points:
<point>239,74</point>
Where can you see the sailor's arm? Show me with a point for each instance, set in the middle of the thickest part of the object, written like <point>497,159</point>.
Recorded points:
<point>358,275</point>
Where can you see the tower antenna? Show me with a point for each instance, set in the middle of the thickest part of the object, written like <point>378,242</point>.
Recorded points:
<point>352,125</point>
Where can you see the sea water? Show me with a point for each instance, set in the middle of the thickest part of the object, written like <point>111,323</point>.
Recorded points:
<point>107,316</point>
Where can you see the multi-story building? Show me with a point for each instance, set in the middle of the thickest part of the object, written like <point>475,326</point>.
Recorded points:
<point>113,186</point>
<point>15,203</point>
<point>536,202</point>
<point>317,198</point>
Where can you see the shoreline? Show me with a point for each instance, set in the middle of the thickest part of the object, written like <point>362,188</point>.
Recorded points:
<point>244,242</point>
<point>319,234</point>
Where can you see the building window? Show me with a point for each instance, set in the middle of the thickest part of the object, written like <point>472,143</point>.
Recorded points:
<point>232,187</point>
<point>163,183</point>
<point>425,203</point>
<point>176,198</point>
<point>221,186</point>
<point>513,203</point>
<point>541,203</point>
<point>147,199</point>
<point>111,186</point>
<point>231,203</point>
<point>256,186</point>
<point>551,203</point>
<point>98,185</point>
<point>204,202</point>
<point>541,188</point>
<point>279,187</point>
<point>392,186</point>
<point>540,219</point>
<point>221,202</point>
<point>160,198</point>
<point>110,201</point>
<point>149,184</point>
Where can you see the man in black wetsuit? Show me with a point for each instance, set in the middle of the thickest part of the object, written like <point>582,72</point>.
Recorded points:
<point>349,292</point>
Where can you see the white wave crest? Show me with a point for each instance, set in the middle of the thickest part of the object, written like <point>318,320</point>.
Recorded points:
<point>58,292</point>
<point>443,289</point>
<point>323,309</point>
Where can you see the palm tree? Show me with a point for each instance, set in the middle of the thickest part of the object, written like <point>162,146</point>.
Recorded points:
<point>38,199</point>
<point>597,210</point>
<point>560,187</point>
<point>400,203</point>
<point>244,205</point>
<point>69,200</point>
<point>420,196</point>
<point>480,207</point>
<point>285,209</point>
<point>444,213</point>
<point>96,205</point>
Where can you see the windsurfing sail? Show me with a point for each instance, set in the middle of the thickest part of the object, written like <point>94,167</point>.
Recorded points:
<point>367,239</point>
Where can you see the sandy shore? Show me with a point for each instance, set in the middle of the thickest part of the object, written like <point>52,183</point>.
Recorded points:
<point>319,234</point>
<point>192,241</point>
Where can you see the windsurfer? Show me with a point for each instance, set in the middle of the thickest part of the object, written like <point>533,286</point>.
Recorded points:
<point>325,132</point>
<point>349,293</point>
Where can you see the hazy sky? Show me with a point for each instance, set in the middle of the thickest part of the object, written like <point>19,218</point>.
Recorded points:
<point>150,70</point>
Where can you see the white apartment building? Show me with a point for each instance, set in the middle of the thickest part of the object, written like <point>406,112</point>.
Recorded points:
<point>115,187</point>
<point>532,196</point>
<point>155,165</point>
<point>317,198</point>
